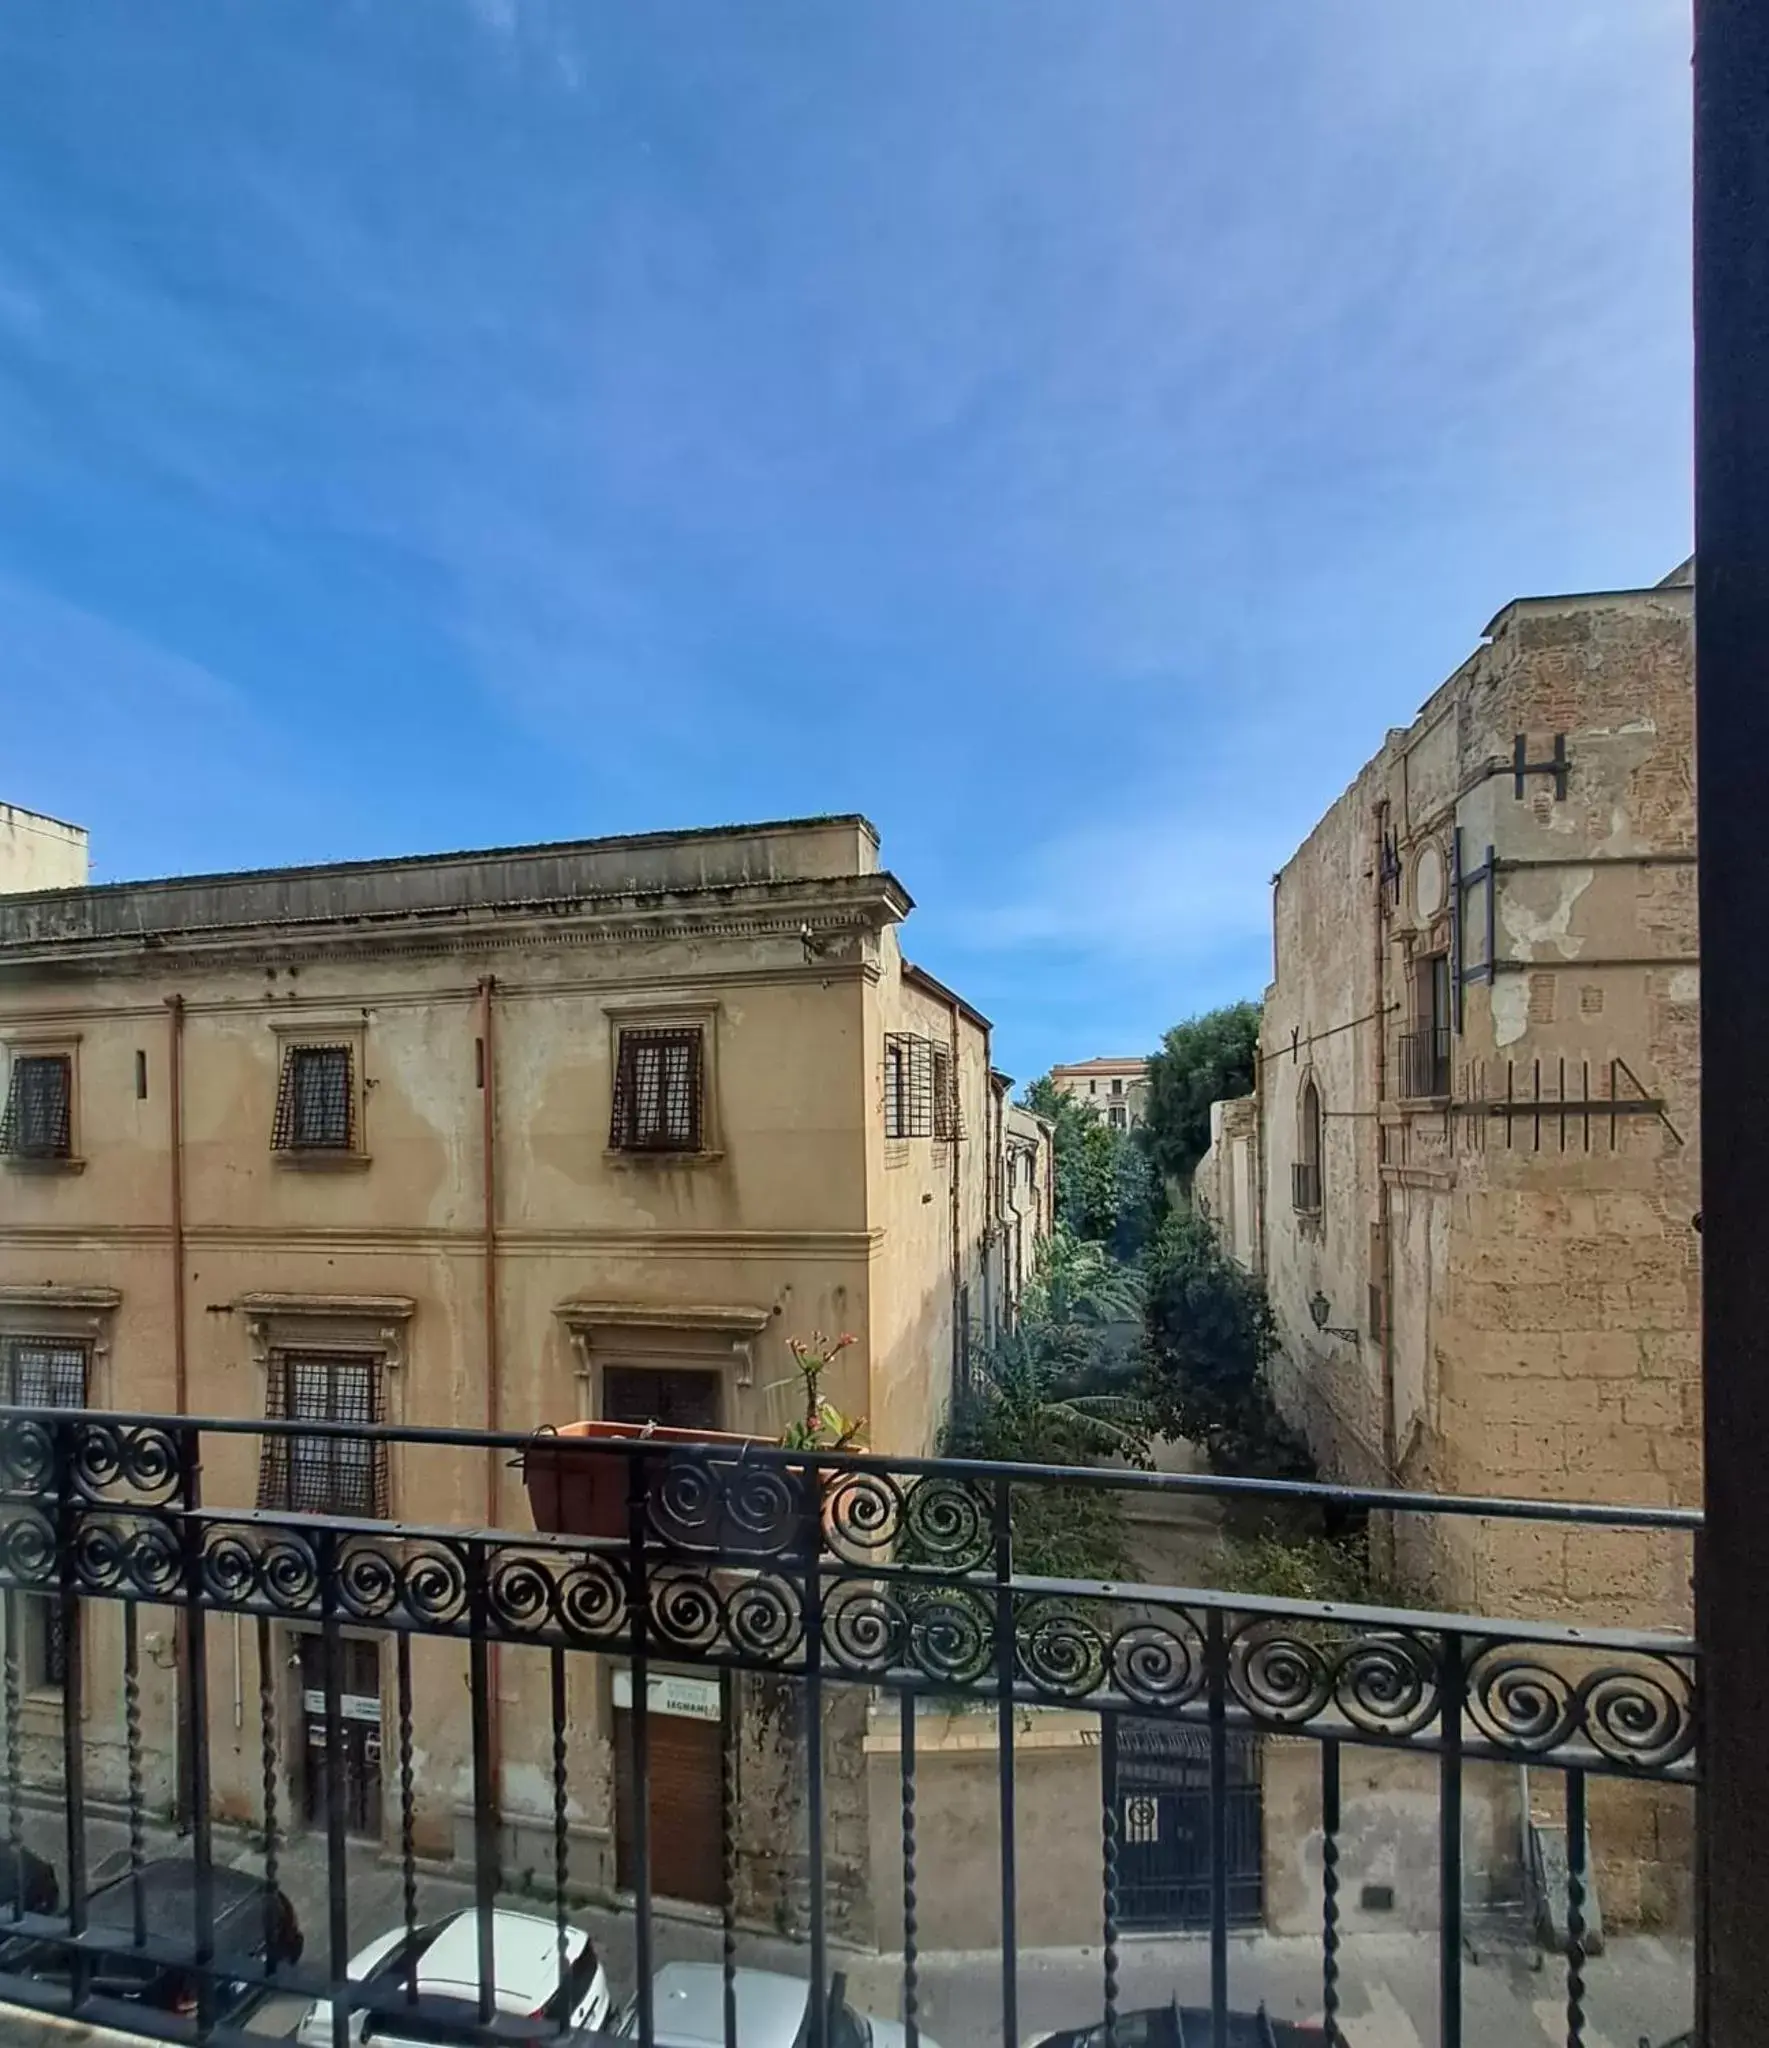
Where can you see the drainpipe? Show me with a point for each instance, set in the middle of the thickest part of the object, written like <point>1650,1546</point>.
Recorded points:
<point>487,1063</point>
<point>181,1693</point>
<point>175,1191</point>
<point>1384,1243</point>
<point>960,1364</point>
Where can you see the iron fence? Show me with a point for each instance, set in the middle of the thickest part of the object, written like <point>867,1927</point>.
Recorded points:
<point>819,1577</point>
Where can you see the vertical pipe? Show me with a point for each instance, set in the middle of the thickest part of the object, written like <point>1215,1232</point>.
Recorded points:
<point>494,1391</point>
<point>1330,1892</point>
<point>175,1195</point>
<point>1005,1673</point>
<point>960,1364</point>
<point>1732,771</point>
<point>1449,1940</point>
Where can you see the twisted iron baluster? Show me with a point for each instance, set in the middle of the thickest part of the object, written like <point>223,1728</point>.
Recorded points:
<point>911,1974</point>
<point>15,1835</point>
<point>267,1743</point>
<point>132,1754</point>
<point>408,1874</point>
<point>1575,1909</point>
<point>1330,1893</point>
<point>561,1868</point>
<point>1108,1808</point>
<point>728,1859</point>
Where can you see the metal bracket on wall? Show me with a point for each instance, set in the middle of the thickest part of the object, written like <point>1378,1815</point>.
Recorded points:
<point>1461,881</point>
<point>1522,765</point>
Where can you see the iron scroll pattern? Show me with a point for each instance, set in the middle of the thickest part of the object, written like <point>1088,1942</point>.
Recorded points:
<point>909,1595</point>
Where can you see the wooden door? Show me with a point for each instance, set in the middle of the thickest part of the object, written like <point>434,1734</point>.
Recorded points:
<point>686,1851</point>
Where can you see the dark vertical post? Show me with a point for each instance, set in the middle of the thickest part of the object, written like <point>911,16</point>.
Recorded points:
<point>73,1703</point>
<point>1108,1809</point>
<point>728,1788</point>
<point>1449,1848</point>
<point>1575,1909</point>
<point>639,1730</point>
<point>331,1644</point>
<point>1732,772</point>
<point>268,1762</point>
<point>1216,1655</point>
<point>408,1870</point>
<point>1457,948</point>
<point>15,1829</point>
<point>196,1722</point>
<point>132,1744</point>
<point>1006,1670</point>
<point>1330,1892</point>
<point>561,1815</point>
<point>485,1799</point>
<point>811,1521</point>
<point>911,1976</point>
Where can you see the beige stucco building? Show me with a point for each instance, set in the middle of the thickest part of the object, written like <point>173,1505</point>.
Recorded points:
<point>39,853</point>
<point>1116,1088</point>
<point>500,1140</point>
<point>1470,1173</point>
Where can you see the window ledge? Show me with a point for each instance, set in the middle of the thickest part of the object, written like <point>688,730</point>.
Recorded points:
<point>25,1162</point>
<point>319,1160</point>
<point>618,1156</point>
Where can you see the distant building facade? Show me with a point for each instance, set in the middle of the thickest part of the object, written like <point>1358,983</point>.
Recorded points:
<point>1118,1089</point>
<point>1470,1172</point>
<point>39,853</point>
<point>491,1140</point>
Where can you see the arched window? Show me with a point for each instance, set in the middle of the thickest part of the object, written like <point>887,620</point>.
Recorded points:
<point>1306,1193</point>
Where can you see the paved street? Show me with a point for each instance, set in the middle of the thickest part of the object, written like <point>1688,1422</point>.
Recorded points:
<point>1640,1987</point>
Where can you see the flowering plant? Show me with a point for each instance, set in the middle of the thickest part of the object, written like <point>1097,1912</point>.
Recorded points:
<point>822,1427</point>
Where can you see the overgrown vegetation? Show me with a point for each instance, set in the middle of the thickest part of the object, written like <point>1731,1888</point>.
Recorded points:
<point>1049,1392</point>
<point>1106,1190</point>
<point>1209,1336</point>
<point>1298,1567</point>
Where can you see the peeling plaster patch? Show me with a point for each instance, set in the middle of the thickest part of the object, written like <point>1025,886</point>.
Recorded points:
<point>1534,926</point>
<point>528,1790</point>
<point>1639,725</point>
<point>1686,985</point>
<point>1510,1007</point>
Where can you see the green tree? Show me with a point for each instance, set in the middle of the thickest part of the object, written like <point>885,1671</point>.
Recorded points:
<point>1103,1184</point>
<point>1210,1332</point>
<point>1207,1059</point>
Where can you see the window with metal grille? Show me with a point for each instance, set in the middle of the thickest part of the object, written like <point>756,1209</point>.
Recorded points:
<point>909,1085</point>
<point>657,1088</point>
<point>38,1122</point>
<point>42,1372</point>
<point>324,1475</point>
<point>315,1101</point>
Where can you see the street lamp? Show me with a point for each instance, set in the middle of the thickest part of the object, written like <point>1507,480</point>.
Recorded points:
<point>1320,1308</point>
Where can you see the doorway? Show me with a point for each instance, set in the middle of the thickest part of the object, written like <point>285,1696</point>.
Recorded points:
<point>353,1747</point>
<point>1162,1773</point>
<point>685,1734</point>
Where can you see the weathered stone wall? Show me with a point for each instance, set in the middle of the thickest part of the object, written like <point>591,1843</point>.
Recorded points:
<point>39,853</point>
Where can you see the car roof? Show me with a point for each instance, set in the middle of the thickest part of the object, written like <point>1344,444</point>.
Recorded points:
<point>168,1895</point>
<point>525,1952</point>
<point>688,2006</point>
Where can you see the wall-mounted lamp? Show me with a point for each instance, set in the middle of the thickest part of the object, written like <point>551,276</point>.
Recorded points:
<point>1319,1309</point>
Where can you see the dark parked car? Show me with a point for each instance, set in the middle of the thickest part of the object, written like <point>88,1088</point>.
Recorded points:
<point>28,1882</point>
<point>168,1904</point>
<point>1189,2026</point>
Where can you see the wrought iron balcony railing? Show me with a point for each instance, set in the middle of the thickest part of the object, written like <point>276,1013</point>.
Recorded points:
<point>247,1643</point>
<point>1425,1062</point>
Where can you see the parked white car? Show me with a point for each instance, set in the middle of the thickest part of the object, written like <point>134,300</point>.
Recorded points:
<point>525,1979</point>
<point>773,2011</point>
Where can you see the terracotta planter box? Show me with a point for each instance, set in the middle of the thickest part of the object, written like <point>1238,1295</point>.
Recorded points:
<point>575,1492</point>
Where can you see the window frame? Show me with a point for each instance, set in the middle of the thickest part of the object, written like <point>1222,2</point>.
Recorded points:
<point>703,1017</point>
<point>310,1035</point>
<point>40,1046</point>
<point>280,1477</point>
<point>1311,1147</point>
<point>41,1636</point>
<point>643,1109</point>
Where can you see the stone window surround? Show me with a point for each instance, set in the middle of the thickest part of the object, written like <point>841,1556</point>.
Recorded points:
<point>713,1337</point>
<point>373,1325</point>
<point>27,1044</point>
<point>83,1315</point>
<point>349,1030</point>
<point>663,1013</point>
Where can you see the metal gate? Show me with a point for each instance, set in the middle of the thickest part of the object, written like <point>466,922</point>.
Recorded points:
<point>1162,1790</point>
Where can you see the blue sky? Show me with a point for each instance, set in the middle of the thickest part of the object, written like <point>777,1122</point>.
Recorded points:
<point>1070,431</point>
